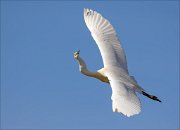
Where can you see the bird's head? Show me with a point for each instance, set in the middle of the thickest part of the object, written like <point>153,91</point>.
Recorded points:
<point>76,54</point>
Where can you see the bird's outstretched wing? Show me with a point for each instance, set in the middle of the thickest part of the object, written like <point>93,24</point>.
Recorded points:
<point>106,38</point>
<point>124,99</point>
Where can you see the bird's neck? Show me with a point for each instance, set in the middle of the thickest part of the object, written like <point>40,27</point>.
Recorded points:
<point>83,68</point>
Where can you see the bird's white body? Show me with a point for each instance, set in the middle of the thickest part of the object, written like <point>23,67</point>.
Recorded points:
<point>115,71</point>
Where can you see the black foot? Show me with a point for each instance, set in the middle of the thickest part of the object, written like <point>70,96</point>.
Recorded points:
<point>151,96</point>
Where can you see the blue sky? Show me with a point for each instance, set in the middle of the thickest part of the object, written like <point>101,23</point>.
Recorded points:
<point>41,86</point>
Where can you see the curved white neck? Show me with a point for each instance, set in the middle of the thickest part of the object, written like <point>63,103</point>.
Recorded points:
<point>83,68</point>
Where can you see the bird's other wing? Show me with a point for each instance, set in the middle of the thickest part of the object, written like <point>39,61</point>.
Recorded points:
<point>124,99</point>
<point>106,38</point>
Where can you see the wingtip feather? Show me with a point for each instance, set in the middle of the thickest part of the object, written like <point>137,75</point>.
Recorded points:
<point>124,99</point>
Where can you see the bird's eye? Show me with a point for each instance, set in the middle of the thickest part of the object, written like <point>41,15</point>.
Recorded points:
<point>88,13</point>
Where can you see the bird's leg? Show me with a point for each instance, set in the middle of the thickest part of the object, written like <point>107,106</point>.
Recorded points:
<point>151,96</point>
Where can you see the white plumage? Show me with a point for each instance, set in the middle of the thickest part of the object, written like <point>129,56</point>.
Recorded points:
<point>106,38</point>
<point>124,99</point>
<point>115,71</point>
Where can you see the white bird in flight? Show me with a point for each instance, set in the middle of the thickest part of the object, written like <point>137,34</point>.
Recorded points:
<point>115,71</point>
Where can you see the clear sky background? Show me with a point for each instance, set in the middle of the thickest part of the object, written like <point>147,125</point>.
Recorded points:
<point>41,86</point>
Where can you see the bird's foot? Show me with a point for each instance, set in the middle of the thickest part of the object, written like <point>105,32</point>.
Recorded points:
<point>155,98</point>
<point>151,96</point>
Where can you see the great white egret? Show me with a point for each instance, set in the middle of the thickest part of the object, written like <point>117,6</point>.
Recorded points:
<point>115,71</point>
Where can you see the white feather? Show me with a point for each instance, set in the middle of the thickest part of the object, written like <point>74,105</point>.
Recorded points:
<point>124,99</point>
<point>112,52</point>
<point>124,87</point>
